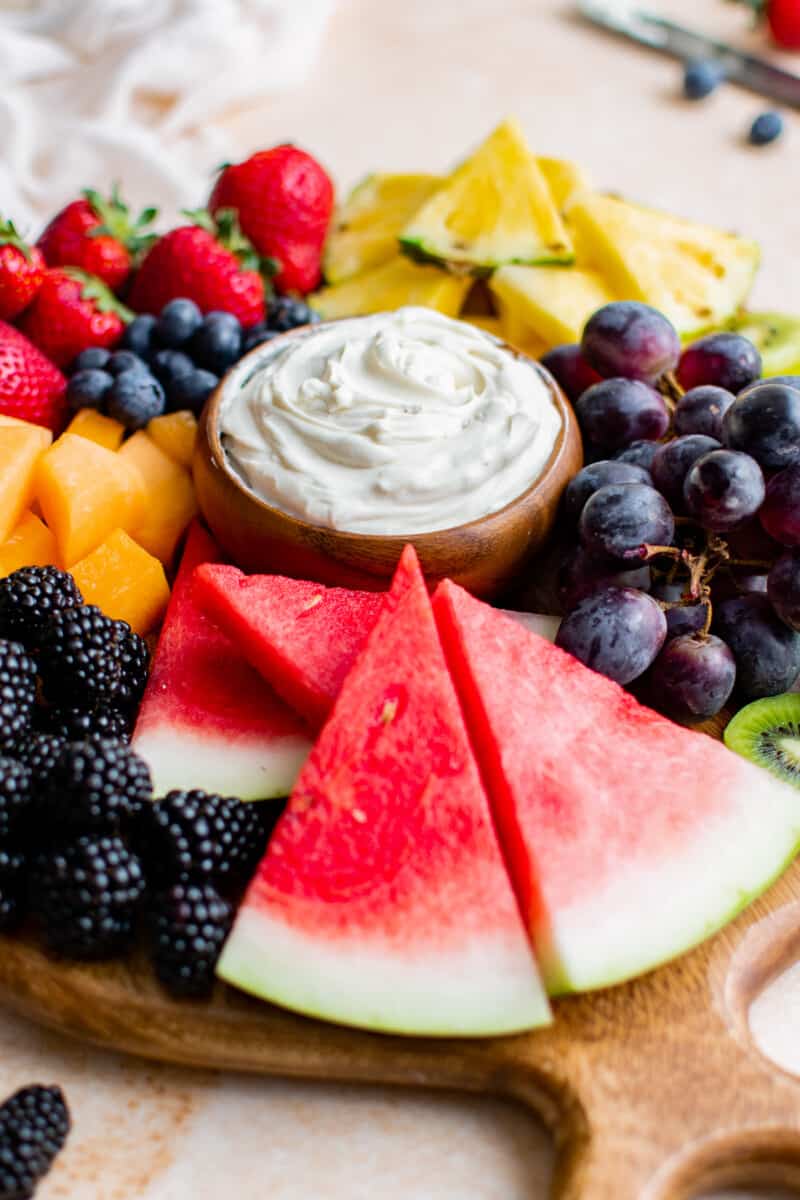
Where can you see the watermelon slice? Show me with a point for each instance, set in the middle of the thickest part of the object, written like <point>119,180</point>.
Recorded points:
<point>629,839</point>
<point>208,720</point>
<point>383,900</point>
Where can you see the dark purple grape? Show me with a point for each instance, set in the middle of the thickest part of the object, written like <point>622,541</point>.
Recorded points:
<point>723,488</point>
<point>783,588</point>
<point>632,340</point>
<point>672,462</point>
<point>693,677</point>
<point>616,412</point>
<point>617,632</point>
<point>701,411</point>
<point>767,652</point>
<point>726,360</point>
<point>792,381</point>
<point>580,575</point>
<point>597,475</point>
<point>640,453</point>
<point>570,370</point>
<point>765,423</point>
<point>682,618</point>
<point>620,518</point>
<point>780,512</point>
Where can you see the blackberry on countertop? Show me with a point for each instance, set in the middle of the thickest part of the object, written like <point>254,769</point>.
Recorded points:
<point>17,694</point>
<point>15,796</point>
<point>86,896</point>
<point>79,657</point>
<point>199,835</point>
<point>12,888</point>
<point>29,597</point>
<point>76,724</point>
<point>188,926</point>
<point>34,1124</point>
<point>94,785</point>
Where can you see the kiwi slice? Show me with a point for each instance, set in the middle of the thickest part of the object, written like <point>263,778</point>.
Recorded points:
<point>777,337</point>
<point>768,733</point>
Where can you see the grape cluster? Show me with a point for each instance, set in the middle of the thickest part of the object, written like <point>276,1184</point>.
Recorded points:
<point>682,573</point>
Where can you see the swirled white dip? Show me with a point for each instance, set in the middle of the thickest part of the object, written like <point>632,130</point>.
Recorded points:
<point>398,423</point>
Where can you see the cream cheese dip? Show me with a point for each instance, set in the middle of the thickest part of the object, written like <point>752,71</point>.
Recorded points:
<point>398,423</point>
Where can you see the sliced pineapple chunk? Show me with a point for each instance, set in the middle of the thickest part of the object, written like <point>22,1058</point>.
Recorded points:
<point>366,228</point>
<point>390,286</point>
<point>516,331</point>
<point>695,275</point>
<point>495,208</point>
<point>565,179</point>
<point>554,303</point>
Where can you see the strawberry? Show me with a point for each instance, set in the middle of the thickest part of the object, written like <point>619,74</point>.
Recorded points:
<point>31,387</point>
<point>98,236</point>
<point>21,270</point>
<point>71,312</point>
<point>284,200</point>
<point>783,17</point>
<point>209,263</point>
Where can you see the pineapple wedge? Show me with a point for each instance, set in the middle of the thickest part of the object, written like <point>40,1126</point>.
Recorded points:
<point>697,276</point>
<point>366,228</point>
<point>565,179</point>
<point>390,286</point>
<point>554,304</point>
<point>495,208</point>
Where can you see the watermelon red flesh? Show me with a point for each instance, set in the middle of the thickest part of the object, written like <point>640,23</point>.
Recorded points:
<point>208,720</point>
<point>383,900</point>
<point>629,839</point>
<point>301,636</point>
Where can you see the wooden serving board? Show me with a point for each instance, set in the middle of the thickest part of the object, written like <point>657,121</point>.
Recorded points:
<point>653,1090</point>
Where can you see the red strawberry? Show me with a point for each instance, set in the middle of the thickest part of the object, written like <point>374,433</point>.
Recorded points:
<point>783,17</point>
<point>212,265</point>
<point>31,387</point>
<point>71,312</point>
<point>284,199</point>
<point>21,271</point>
<point>98,236</point>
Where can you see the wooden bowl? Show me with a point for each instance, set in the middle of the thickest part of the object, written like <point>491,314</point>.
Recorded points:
<point>482,555</point>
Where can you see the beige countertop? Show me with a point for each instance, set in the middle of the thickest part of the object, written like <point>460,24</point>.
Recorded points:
<point>412,85</point>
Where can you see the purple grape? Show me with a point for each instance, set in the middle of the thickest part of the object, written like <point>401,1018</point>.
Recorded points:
<point>780,512</point>
<point>570,370</point>
<point>683,618</point>
<point>640,453</point>
<point>764,422</point>
<point>618,632</point>
<point>632,340</point>
<point>767,652</point>
<point>620,518</point>
<point>616,412</point>
<point>693,676</point>
<point>783,588</point>
<point>726,360</point>
<point>792,381</point>
<point>672,462</point>
<point>580,575</point>
<point>701,411</point>
<point>597,475</point>
<point>723,488</point>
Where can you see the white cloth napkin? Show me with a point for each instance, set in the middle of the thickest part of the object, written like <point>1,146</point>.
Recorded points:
<point>96,91</point>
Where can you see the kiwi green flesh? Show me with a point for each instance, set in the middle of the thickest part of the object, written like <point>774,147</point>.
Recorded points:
<point>767,732</point>
<point>777,337</point>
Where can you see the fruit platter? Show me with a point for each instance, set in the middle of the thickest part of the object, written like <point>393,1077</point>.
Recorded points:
<point>399,622</point>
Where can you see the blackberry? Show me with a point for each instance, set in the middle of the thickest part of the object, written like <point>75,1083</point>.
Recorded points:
<point>200,836</point>
<point>15,797</point>
<point>39,752</point>
<point>17,694</point>
<point>76,724</point>
<point>34,1124</point>
<point>79,657</point>
<point>95,785</point>
<point>188,927</point>
<point>134,661</point>
<point>286,313</point>
<point>28,598</point>
<point>12,889</point>
<point>87,895</point>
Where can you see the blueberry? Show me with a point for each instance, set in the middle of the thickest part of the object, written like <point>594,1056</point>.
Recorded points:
<point>93,358</point>
<point>217,344</point>
<point>257,336</point>
<point>135,398</point>
<point>286,313</point>
<point>139,334</point>
<point>126,360</point>
<point>171,365</point>
<point>765,129</point>
<point>178,321</point>
<point>700,79</point>
<point>192,391</point>
<point>88,388</point>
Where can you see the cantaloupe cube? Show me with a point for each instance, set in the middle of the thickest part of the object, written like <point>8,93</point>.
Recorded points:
<point>125,581</point>
<point>89,423</point>
<point>175,434</point>
<point>31,544</point>
<point>85,491</point>
<point>21,447</point>
<point>169,500</point>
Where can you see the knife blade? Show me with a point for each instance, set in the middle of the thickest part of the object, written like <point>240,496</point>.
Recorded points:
<point>625,19</point>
